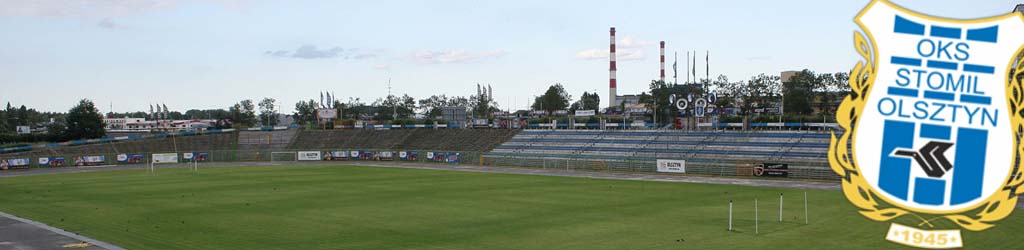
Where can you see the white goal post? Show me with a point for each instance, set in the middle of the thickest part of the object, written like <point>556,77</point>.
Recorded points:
<point>190,158</point>
<point>162,159</point>
<point>283,156</point>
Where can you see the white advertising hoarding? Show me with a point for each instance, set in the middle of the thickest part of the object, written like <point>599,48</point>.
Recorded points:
<point>309,155</point>
<point>585,113</point>
<point>327,113</point>
<point>165,158</point>
<point>672,166</point>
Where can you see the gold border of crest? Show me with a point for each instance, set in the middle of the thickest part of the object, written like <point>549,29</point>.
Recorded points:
<point>871,204</point>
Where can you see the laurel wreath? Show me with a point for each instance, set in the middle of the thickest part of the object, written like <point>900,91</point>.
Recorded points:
<point>855,187</point>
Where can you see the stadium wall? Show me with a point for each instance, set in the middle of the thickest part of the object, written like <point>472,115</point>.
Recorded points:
<point>481,140</point>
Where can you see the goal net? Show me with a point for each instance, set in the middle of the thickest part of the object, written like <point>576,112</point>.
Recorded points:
<point>282,156</point>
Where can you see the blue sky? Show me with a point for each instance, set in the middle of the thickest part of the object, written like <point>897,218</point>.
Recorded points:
<point>211,54</point>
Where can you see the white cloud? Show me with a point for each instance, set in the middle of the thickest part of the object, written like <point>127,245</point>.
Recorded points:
<point>626,50</point>
<point>382,67</point>
<point>313,52</point>
<point>106,23</point>
<point>456,56</point>
<point>97,9</point>
<point>629,42</point>
<point>592,54</point>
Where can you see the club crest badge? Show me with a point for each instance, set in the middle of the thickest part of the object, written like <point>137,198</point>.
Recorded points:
<point>933,123</point>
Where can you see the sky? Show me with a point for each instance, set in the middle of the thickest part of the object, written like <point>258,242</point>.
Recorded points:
<point>127,54</point>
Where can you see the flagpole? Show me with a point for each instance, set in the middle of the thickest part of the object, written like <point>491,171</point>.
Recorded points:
<point>687,66</point>
<point>675,71</point>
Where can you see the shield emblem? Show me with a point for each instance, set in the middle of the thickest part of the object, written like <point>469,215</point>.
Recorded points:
<point>931,123</point>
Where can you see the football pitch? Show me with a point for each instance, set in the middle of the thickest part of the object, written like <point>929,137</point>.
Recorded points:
<point>351,207</point>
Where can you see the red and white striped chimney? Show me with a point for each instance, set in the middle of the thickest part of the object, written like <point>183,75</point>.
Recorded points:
<point>611,71</point>
<point>662,61</point>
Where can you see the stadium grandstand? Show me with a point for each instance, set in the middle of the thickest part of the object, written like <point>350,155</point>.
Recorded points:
<point>480,140</point>
<point>705,152</point>
<point>710,152</point>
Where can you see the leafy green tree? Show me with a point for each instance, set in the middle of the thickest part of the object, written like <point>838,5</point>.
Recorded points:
<point>11,116</point>
<point>555,98</point>
<point>798,92</point>
<point>84,121</point>
<point>56,131</point>
<point>758,92</point>
<point>402,106</point>
<point>214,114</point>
<point>354,109</point>
<point>831,88</point>
<point>243,113</point>
<point>138,114</point>
<point>728,92</point>
<point>458,101</point>
<point>587,101</point>
<point>431,106</point>
<point>305,112</point>
<point>482,103</point>
<point>4,128</point>
<point>268,112</point>
<point>658,100</point>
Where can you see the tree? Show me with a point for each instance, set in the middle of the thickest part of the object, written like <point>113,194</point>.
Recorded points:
<point>482,103</point>
<point>758,92</point>
<point>268,112</point>
<point>56,131</point>
<point>84,121</point>
<point>799,91</point>
<point>831,88</point>
<point>555,98</point>
<point>431,106</point>
<point>22,115</point>
<point>353,109</point>
<point>10,118</point>
<point>458,101</point>
<point>305,112</point>
<point>387,108</point>
<point>657,101</point>
<point>588,101</point>
<point>3,122</point>
<point>214,114</point>
<point>727,92</point>
<point>138,114</point>
<point>243,113</point>
<point>406,106</point>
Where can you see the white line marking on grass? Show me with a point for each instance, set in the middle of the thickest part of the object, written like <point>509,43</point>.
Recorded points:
<point>62,232</point>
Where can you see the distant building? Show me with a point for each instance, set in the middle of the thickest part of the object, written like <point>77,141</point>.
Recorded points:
<point>628,100</point>
<point>128,124</point>
<point>285,120</point>
<point>632,104</point>
<point>456,115</point>
<point>787,75</point>
<point>120,123</point>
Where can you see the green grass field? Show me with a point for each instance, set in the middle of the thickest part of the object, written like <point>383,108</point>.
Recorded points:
<point>345,207</point>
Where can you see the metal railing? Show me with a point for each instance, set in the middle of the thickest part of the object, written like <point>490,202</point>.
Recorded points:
<point>254,155</point>
<point>694,166</point>
<point>706,167</point>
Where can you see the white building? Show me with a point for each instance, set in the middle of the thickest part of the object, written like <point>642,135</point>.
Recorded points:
<point>120,123</point>
<point>141,124</point>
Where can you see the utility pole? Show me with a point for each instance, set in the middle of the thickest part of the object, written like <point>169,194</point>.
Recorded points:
<point>394,114</point>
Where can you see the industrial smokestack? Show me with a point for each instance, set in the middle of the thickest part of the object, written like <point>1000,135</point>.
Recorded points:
<point>611,71</point>
<point>662,77</point>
